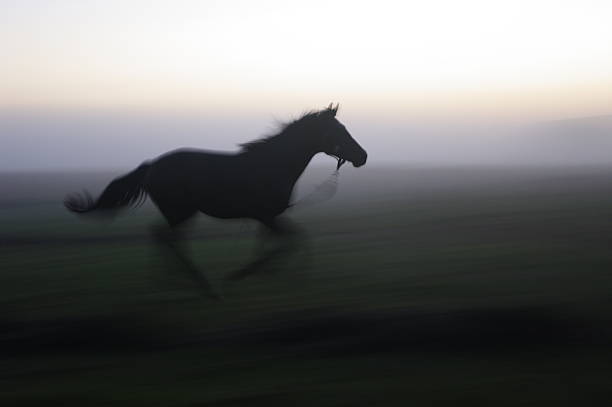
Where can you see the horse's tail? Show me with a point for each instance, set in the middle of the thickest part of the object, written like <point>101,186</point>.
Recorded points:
<point>122,192</point>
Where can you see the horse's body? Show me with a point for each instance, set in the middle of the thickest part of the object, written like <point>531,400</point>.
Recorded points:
<point>254,183</point>
<point>227,185</point>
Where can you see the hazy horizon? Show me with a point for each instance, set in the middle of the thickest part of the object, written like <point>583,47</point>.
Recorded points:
<point>94,84</point>
<point>119,140</point>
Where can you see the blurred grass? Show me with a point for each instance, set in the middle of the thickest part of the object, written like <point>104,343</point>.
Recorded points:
<point>466,295</point>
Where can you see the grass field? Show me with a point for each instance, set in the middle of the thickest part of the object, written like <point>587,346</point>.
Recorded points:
<point>428,287</point>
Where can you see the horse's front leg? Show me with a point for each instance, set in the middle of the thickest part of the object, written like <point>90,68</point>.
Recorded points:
<point>288,236</point>
<point>170,241</point>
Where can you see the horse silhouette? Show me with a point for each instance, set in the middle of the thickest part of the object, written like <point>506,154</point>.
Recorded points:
<point>254,183</point>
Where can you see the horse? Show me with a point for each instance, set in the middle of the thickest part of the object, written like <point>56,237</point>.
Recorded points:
<point>256,183</point>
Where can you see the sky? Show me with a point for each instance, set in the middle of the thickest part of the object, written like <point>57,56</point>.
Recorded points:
<point>254,61</point>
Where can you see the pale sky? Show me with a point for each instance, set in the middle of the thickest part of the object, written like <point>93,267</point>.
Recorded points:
<point>537,58</point>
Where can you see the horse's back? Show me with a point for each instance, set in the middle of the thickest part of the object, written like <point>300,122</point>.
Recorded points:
<point>191,156</point>
<point>213,182</point>
<point>186,163</point>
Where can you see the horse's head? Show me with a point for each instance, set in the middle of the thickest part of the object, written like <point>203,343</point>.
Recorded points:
<point>337,141</point>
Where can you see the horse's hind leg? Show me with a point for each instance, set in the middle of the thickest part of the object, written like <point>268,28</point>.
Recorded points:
<point>170,239</point>
<point>288,235</point>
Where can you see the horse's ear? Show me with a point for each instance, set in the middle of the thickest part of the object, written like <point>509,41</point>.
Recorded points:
<point>333,110</point>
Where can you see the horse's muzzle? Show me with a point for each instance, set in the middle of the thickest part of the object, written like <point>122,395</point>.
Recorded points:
<point>361,161</point>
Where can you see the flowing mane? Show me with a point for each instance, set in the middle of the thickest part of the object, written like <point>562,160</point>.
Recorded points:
<point>285,130</point>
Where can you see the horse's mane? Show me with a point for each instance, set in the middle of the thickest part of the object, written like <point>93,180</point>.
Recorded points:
<point>284,129</point>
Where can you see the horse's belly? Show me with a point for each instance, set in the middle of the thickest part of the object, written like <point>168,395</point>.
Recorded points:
<point>239,196</point>
<point>242,208</point>
<point>223,213</point>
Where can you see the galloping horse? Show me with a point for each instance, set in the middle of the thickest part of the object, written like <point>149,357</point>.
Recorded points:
<point>254,183</point>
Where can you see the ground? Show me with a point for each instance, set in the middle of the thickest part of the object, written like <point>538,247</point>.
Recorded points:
<point>427,286</point>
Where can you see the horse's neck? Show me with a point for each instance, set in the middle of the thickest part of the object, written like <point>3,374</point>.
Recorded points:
<point>291,159</point>
<point>293,163</point>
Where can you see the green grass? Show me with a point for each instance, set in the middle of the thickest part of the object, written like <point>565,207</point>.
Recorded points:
<point>459,297</point>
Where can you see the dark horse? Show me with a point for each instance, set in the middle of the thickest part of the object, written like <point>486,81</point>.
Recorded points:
<point>255,183</point>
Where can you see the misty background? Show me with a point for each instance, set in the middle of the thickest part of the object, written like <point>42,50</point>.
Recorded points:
<point>90,141</point>
<point>107,85</point>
